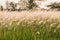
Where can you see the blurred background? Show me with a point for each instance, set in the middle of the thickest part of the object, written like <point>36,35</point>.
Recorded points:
<point>18,5</point>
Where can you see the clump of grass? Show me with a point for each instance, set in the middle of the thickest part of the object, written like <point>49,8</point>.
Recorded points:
<point>30,26</point>
<point>35,30</point>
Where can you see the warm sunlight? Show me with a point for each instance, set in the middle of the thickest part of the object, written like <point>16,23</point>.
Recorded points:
<point>29,19</point>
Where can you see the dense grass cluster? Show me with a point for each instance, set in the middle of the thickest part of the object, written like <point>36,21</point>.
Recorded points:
<point>30,25</point>
<point>44,29</point>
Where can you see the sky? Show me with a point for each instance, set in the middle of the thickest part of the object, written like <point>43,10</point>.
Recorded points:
<point>3,1</point>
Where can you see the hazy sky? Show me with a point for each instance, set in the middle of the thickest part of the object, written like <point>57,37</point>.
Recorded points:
<point>3,1</point>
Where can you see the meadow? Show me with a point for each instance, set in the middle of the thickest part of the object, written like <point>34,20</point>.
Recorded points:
<point>30,25</point>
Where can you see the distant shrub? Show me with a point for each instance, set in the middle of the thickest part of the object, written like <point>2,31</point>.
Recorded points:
<point>12,5</point>
<point>27,4</point>
<point>55,5</point>
<point>48,4</point>
<point>1,8</point>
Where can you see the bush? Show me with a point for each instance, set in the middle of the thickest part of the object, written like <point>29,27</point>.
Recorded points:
<point>13,6</point>
<point>1,8</point>
<point>55,5</point>
<point>27,4</point>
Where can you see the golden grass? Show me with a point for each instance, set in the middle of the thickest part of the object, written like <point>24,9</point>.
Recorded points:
<point>9,16</point>
<point>30,25</point>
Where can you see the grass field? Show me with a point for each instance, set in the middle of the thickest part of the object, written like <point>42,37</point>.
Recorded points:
<point>30,25</point>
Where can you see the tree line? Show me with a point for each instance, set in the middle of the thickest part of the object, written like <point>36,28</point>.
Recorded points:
<point>30,4</point>
<point>12,6</point>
